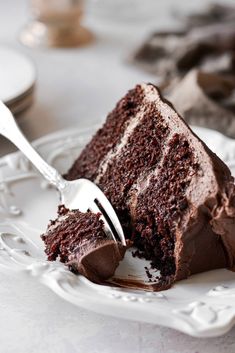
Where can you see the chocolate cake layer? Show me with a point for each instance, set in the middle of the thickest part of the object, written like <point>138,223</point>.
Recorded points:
<point>175,198</point>
<point>109,136</point>
<point>79,240</point>
<point>155,230</point>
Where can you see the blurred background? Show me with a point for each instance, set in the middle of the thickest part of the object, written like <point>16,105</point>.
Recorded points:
<point>76,79</point>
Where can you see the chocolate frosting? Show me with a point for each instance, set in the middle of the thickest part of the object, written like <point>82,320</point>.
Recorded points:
<point>205,239</point>
<point>99,261</point>
<point>203,228</point>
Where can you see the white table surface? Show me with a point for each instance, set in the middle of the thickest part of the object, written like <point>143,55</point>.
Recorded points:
<point>78,87</point>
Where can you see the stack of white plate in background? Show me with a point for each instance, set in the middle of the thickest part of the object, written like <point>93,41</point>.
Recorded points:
<point>17,80</point>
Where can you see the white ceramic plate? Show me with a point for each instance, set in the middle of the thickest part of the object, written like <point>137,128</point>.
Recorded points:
<point>17,75</point>
<point>203,305</point>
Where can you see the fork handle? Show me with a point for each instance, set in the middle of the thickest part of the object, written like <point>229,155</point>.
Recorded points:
<point>10,129</point>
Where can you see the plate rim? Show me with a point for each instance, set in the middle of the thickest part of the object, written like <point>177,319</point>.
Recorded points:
<point>179,322</point>
<point>31,66</point>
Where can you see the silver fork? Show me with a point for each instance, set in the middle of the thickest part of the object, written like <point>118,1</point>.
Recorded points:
<point>79,194</point>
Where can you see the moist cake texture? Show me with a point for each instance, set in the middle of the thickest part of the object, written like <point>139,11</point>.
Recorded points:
<point>79,240</point>
<point>174,197</point>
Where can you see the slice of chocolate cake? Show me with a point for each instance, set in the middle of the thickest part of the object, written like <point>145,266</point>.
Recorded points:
<point>174,197</point>
<point>79,240</point>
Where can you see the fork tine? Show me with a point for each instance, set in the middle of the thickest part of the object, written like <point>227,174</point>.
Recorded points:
<point>95,209</point>
<point>108,208</point>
